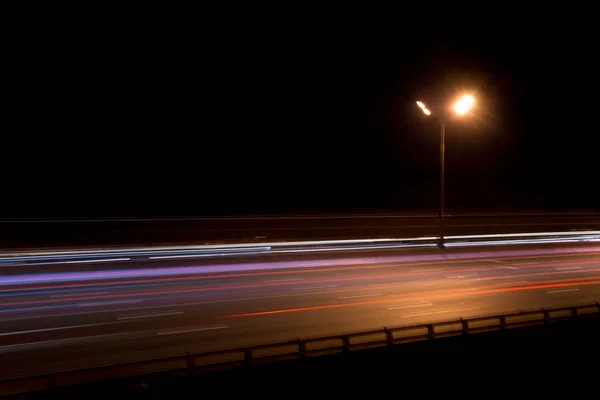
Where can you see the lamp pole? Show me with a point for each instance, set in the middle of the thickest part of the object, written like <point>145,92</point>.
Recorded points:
<point>461,107</point>
<point>442,178</point>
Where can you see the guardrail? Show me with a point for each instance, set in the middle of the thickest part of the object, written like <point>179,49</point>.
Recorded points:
<point>300,348</point>
<point>283,247</point>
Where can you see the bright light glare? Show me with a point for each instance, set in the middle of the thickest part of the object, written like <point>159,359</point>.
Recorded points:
<point>464,104</point>
<point>422,107</point>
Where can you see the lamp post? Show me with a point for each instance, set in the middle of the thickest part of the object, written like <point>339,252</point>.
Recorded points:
<point>461,107</point>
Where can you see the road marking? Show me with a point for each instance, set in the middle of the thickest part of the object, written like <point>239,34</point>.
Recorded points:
<point>315,287</point>
<point>212,328</point>
<point>410,306</point>
<point>72,262</point>
<point>285,280</point>
<point>218,252</point>
<point>187,304</point>
<point>526,263</point>
<point>461,276</point>
<point>201,255</point>
<point>102,303</point>
<point>426,270</point>
<point>438,312</point>
<point>94,261</point>
<point>562,291</point>
<point>151,315</point>
<point>420,297</point>
<point>566,268</point>
<point>46,343</point>
<point>358,296</point>
<point>78,294</point>
<point>509,267</point>
<point>56,329</point>
<point>510,283</point>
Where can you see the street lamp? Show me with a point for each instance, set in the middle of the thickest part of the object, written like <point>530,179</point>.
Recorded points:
<point>464,104</point>
<point>461,107</point>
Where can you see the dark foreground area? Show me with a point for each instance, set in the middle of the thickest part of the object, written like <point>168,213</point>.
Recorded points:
<point>544,359</point>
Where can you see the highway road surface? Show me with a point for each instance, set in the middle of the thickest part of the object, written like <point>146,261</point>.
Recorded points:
<point>136,231</point>
<point>53,319</point>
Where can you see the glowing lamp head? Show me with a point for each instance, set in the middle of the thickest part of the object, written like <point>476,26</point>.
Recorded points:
<point>464,104</point>
<point>422,107</point>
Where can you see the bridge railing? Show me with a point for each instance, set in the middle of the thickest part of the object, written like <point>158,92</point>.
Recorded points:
<point>230,358</point>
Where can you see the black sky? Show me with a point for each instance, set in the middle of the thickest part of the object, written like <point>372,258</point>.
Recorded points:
<point>150,122</point>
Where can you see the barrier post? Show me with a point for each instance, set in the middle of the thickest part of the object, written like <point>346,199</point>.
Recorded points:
<point>248,357</point>
<point>346,343</point>
<point>546,316</point>
<point>389,336</point>
<point>430,332</point>
<point>465,326</point>
<point>301,348</point>
<point>502,322</point>
<point>190,361</point>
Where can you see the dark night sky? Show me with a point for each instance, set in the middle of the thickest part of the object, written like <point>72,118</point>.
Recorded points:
<point>266,120</point>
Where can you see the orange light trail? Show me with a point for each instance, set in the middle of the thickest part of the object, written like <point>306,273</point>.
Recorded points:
<point>417,298</point>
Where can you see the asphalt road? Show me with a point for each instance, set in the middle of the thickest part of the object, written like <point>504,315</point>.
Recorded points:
<point>135,231</point>
<point>78,319</point>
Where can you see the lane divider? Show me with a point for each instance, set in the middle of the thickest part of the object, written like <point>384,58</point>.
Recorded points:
<point>166,252</point>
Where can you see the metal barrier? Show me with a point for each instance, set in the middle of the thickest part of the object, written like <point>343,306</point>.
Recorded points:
<point>223,359</point>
